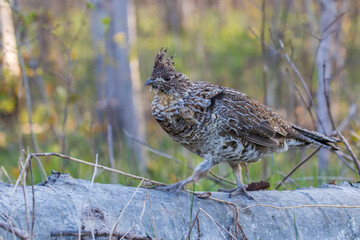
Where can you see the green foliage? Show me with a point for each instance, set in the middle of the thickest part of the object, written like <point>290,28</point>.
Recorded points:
<point>213,44</point>
<point>106,22</point>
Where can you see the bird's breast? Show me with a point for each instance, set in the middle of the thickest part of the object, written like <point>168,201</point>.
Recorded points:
<point>185,123</point>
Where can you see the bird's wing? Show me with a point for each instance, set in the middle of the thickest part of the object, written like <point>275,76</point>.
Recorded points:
<point>245,118</point>
<point>203,94</point>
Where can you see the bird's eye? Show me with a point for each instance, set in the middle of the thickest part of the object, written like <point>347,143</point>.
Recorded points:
<point>167,78</point>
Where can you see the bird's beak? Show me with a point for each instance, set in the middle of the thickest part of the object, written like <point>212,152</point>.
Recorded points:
<point>148,82</point>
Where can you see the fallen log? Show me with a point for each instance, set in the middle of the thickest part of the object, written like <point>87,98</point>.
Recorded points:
<point>65,208</point>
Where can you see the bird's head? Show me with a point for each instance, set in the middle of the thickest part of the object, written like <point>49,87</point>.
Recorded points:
<point>164,77</point>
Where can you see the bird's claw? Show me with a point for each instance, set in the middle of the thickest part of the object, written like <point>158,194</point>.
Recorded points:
<point>177,187</point>
<point>237,191</point>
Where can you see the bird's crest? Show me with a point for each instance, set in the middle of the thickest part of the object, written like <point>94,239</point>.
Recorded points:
<point>162,62</point>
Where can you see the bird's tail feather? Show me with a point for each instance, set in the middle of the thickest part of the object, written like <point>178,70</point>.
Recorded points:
<point>318,138</point>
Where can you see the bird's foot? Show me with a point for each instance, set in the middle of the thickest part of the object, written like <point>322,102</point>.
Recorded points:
<point>237,191</point>
<point>176,187</point>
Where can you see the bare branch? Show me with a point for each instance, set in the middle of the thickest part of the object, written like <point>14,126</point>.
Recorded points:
<point>123,210</point>
<point>297,166</point>
<point>217,224</point>
<point>300,206</point>
<point>297,72</point>
<point>348,147</point>
<point>99,167</point>
<point>27,95</point>
<point>18,232</point>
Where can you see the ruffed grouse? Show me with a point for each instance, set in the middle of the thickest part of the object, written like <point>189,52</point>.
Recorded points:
<point>220,124</point>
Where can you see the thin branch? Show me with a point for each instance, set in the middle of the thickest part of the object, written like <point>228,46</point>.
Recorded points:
<point>297,166</point>
<point>41,166</point>
<point>342,156</point>
<point>23,186</point>
<point>297,72</point>
<point>221,178</point>
<point>348,147</point>
<point>27,95</point>
<point>192,225</point>
<point>334,21</point>
<point>88,233</point>
<point>217,224</point>
<point>153,150</point>
<point>3,170</point>
<point>127,232</point>
<point>33,201</point>
<point>327,97</point>
<point>18,232</point>
<point>311,178</point>
<point>151,212</point>
<point>307,105</point>
<point>238,227</point>
<point>123,210</point>
<point>290,179</point>
<point>100,167</point>
<point>345,121</point>
<point>272,50</point>
<point>299,206</point>
<point>264,72</point>
<point>31,155</point>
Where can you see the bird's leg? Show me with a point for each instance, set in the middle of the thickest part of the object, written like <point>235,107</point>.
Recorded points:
<point>245,165</point>
<point>200,171</point>
<point>240,190</point>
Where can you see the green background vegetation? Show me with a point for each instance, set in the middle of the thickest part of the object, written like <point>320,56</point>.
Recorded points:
<point>212,44</point>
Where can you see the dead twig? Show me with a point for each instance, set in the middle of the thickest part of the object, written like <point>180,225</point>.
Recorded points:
<point>23,186</point>
<point>238,227</point>
<point>192,225</point>
<point>127,232</point>
<point>296,72</point>
<point>23,235</point>
<point>345,121</point>
<point>122,212</point>
<point>33,201</point>
<point>272,50</point>
<point>297,166</point>
<point>3,171</point>
<point>151,212</point>
<point>299,206</point>
<point>27,95</point>
<point>217,224</point>
<point>99,167</point>
<point>67,233</point>
<point>290,179</point>
<point>342,156</point>
<point>327,98</point>
<point>222,178</point>
<point>352,154</point>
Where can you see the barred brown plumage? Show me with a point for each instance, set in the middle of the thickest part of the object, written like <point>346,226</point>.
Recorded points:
<point>220,124</point>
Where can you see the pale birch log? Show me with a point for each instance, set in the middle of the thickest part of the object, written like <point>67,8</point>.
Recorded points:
<point>63,204</point>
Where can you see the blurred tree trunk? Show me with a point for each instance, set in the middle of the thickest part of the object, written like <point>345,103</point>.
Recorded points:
<point>10,58</point>
<point>119,88</point>
<point>9,76</point>
<point>324,60</point>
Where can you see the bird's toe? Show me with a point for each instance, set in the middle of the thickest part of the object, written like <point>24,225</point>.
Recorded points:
<point>176,187</point>
<point>236,191</point>
<point>240,191</point>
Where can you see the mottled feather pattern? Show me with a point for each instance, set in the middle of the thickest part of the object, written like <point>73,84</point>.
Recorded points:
<point>221,122</point>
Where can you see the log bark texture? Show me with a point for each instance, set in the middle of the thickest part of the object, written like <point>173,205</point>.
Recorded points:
<point>65,207</point>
